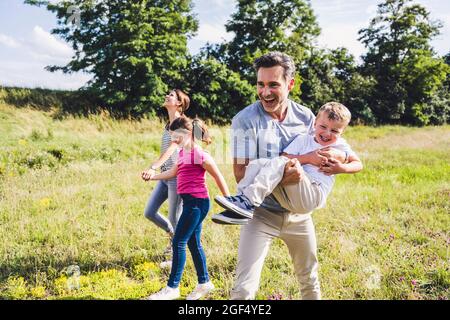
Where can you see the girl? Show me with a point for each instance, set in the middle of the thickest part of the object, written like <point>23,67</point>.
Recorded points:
<point>176,103</point>
<point>190,170</point>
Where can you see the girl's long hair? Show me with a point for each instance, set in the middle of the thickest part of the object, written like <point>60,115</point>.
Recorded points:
<point>196,126</point>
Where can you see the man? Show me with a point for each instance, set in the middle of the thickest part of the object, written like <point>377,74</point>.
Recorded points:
<point>263,130</point>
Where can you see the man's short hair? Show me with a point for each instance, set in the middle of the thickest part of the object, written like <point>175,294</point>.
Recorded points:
<point>276,58</point>
<point>336,111</point>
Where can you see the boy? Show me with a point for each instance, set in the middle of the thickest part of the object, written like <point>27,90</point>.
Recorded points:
<point>262,176</point>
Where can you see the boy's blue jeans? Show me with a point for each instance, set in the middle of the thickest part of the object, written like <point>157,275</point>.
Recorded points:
<point>188,231</point>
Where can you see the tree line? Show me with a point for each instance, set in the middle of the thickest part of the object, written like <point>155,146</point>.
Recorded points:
<point>137,50</point>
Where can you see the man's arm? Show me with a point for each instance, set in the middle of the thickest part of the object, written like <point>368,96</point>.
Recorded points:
<point>314,158</point>
<point>239,166</point>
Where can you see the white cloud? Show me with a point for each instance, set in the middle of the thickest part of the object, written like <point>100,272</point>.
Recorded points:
<point>25,66</point>
<point>32,74</point>
<point>44,43</point>
<point>8,41</point>
<point>342,35</point>
<point>212,33</point>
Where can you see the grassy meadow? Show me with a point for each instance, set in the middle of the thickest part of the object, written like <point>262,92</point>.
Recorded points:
<point>71,194</point>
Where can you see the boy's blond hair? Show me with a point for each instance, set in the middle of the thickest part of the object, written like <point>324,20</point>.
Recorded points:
<point>336,111</point>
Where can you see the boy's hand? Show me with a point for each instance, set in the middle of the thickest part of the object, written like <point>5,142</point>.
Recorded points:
<point>331,167</point>
<point>148,174</point>
<point>329,153</point>
<point>317,159</point>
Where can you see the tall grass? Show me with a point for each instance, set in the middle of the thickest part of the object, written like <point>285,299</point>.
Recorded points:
<point>71,194</point>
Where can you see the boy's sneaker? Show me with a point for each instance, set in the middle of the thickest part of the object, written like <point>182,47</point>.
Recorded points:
<point>166,293</point>
<point>229,217</point>
<point>200,291</point>
<point>239,204</point>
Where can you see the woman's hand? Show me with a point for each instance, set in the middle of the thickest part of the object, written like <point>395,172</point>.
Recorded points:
<point>148,174</point>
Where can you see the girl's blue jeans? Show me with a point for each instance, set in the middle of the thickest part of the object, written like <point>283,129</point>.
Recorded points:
<point>188,231</point>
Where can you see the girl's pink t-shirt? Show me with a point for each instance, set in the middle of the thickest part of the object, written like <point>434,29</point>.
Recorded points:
<point>191,174</point>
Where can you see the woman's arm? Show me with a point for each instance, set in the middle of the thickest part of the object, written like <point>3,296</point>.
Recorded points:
<point>146,174</point>
<point>165,156</point>
<point>169,174</point>
<point>211,167</point>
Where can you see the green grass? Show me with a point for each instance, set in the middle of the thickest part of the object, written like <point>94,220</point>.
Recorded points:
<point>71,194</point>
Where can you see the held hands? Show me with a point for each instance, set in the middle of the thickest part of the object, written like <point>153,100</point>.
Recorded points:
<point>315,158</point>
<point>330,161</point>
<point>331,153</point>
<point>148,174</point>
<point>331,167</point>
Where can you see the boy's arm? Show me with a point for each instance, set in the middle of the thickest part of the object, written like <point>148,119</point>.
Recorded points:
<point>210,166</point>
<point>169,174</point>
<point>353,165</point>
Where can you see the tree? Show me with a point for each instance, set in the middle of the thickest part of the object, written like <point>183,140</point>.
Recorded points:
<point>261,26</point>
<point>217,92</point>
<point>135,50</point>
<point>402,62</point>
<point>333,75</point>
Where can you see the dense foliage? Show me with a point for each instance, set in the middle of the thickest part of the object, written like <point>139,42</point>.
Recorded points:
<point>137,50</point>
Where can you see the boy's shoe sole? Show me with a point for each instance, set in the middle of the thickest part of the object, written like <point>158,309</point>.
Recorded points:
<point>224,203</point>
<point>229,217</point>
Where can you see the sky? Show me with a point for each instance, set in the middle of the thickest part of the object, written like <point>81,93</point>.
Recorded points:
<point>27,46</point>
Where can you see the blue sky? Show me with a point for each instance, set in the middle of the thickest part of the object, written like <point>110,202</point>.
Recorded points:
<point>26,45</point>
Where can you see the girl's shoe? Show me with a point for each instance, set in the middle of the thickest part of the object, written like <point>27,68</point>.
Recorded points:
<point>166,293</point>
<point>166,264</point>
<point>200,291</point>
<point>168,251</point>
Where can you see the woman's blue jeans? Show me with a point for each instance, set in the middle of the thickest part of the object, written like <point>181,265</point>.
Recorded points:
<point>164,189</point>
<point>188,231</point>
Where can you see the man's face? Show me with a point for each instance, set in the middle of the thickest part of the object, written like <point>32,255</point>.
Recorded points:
<point>327,131</point>
<point>273,88</point>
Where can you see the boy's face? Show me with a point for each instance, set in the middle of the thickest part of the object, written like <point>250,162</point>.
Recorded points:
<point>327,131</point>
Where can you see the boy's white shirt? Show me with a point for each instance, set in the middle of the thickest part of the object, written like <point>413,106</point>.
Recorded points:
<point>303,144</point>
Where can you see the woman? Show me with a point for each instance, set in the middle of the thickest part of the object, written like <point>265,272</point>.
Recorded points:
<point>176,103</point>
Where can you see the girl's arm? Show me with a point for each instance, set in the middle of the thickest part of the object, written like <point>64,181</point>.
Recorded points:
<point>169,174</point>
<point>210,166</point>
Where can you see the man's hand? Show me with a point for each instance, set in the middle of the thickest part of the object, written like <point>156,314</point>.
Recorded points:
<point>331,153</point>
<point>293,172</point>
<point>147,174</point>
<point>332,167</point>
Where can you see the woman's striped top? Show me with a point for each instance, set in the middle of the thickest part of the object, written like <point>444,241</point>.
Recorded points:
<point>165,143</point>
